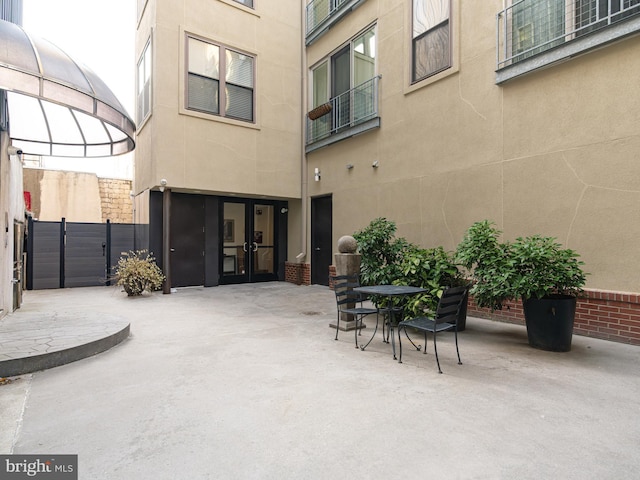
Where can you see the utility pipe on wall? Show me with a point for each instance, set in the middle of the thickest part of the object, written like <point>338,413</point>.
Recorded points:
<point>303,156</point>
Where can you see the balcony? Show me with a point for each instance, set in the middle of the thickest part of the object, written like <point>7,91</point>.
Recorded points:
<point>323,14</point>
<point>532,34</point>
<point>348,114</point>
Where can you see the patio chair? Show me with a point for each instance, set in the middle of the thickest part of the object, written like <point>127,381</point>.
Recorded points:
<point>446,318</point>
<point>350,303</point>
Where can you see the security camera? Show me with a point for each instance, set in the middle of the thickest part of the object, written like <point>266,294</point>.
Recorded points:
<point>14,150</point>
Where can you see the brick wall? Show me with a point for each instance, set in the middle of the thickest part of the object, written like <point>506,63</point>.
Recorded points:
<point>600,314</point>
<point>298,273</point>
<point>115,201</point>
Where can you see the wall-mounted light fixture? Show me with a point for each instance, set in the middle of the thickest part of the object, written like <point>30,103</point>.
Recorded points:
<point>11,150</point>
<point>349,166</point>
<point>316,174</point>
<point>375,164</point>
<point>163,183</point>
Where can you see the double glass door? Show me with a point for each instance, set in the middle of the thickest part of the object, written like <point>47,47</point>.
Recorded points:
<point>248,234</point>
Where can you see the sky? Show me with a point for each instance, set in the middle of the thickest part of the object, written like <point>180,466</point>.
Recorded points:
<point>101,35</point>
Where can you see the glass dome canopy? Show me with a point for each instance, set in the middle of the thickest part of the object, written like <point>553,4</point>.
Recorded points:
<point>56,106</point>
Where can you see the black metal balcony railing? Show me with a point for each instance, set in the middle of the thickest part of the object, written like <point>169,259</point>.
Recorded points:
<point>349,109</point>
<point>319,10</point>
<point>529,27</point>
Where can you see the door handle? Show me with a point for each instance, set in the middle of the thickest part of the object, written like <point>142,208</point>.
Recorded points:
<point>317,249</point>
<point>255,247</point>
<point>244,246</point>
<point>172,249</point>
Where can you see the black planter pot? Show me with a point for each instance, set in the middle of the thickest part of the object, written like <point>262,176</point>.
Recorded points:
<point>550,322</point>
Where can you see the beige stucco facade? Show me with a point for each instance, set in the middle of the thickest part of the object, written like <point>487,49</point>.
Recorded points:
<point>553,152</point>
<point>203,154</point>
<point>195,151</point>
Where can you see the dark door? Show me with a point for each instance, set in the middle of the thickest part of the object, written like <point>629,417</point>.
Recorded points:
<point>248,238</point>
<point>187,240</point>
<point>321,248</point>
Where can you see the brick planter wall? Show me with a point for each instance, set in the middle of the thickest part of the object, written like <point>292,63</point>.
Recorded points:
<point>600,314</point>
<point>298,273</point>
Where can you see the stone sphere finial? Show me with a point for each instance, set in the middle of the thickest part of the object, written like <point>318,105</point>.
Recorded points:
<point>347,244</point>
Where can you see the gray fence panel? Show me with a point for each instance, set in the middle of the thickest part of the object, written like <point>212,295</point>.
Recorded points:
<point>46,255</point>
<point>85,251</point>
<point>85,255</point>
<point>122,237</point>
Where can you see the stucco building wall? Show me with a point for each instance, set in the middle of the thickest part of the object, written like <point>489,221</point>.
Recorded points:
<point>554,152</point>
<point>212,154</point>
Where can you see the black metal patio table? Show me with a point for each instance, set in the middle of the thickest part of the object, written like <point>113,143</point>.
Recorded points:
<point>390,291</point>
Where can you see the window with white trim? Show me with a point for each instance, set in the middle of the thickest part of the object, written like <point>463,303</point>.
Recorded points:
<point>220,80</point>
<point>143,81</point>
<point>431,38</point>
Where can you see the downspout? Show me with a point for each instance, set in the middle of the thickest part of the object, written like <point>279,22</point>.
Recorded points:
<point>303,156</point>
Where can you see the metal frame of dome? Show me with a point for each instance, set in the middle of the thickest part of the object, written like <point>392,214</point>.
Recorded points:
<point>56,106</point>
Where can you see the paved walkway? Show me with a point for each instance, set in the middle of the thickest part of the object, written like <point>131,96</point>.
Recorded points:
<point>246,382</point>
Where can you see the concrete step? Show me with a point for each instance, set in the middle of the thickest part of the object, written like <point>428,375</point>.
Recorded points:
<point>30,342</point>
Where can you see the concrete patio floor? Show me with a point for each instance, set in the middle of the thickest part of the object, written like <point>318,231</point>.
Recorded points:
<point>246,382</point>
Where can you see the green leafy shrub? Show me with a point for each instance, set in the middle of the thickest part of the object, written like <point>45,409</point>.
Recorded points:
<point>430,268</point>
<point>381,252</point>
<point>489,264</point>
<point>530,267</point>
<point>137,272</point>
<point>544,268</point>
<point>387,259</point>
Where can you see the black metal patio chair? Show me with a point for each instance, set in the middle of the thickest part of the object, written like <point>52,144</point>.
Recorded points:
<point>349,302</point>
<point>445,319</point>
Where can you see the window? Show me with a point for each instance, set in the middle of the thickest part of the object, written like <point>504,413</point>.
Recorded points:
<point>431,38</point>
<point>556,30</point>
<point>144,84</point>
<point>539,25</point>
<point>346,81</point>
<point>593,14</point>
<point>213,69</point>
<point>140,7</point>
<point>248,3</point>
<point>352,65</point>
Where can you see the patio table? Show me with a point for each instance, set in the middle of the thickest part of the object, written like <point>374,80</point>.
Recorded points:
<point>390,291</point>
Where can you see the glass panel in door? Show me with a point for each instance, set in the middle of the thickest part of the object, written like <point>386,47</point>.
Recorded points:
<point>248,241</point>
<point>234,250</point>
<point>340,86</point>
<point>263,239</point>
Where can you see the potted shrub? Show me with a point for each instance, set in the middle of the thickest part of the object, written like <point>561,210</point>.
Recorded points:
<point>536,269</point>
<point>137,272</point>
<point>386,259</point>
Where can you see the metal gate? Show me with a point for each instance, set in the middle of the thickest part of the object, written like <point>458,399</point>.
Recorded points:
<point>75,254</point>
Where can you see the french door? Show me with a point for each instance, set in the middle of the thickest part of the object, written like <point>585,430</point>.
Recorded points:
<point>248,239</point>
